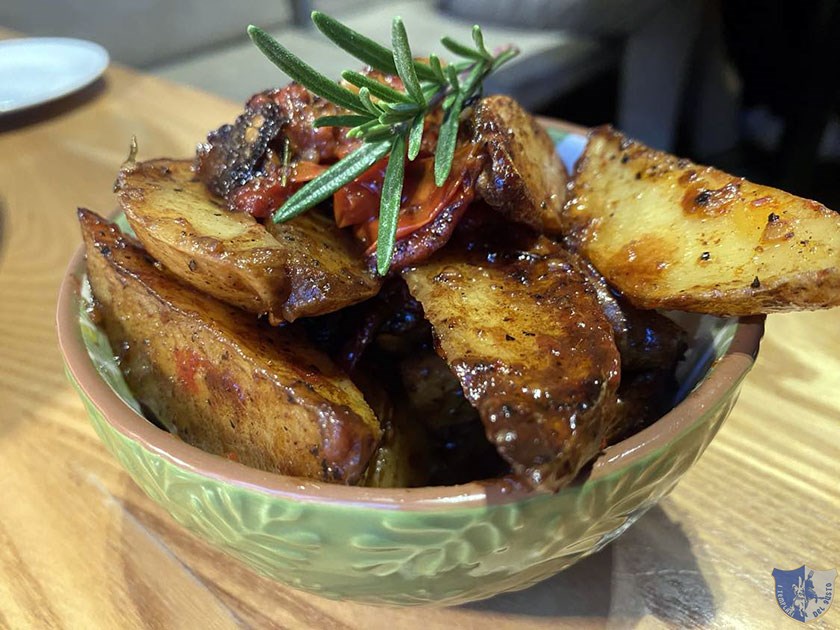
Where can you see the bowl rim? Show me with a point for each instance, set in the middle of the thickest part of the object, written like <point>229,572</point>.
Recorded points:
<point>722,377</point>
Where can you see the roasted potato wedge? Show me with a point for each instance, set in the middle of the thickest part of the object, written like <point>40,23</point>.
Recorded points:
<point>643,397</point>
<point>228,255</point>
<point>402,459</point>
<point>523,178</point>
<point>526,337</point>
<point>230,384</point>
<point>646,339</point>
<point>324,266</point>
<point>310,267</point>
<point>671,234</point>
<point>433,392</point>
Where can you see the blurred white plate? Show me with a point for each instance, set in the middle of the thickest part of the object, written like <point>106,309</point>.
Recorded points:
<point>40,69</point>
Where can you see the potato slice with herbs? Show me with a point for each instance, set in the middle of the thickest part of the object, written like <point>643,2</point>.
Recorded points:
<point>524,333</point>
<point>671,234</point>
<point>310,267</point>
<point>523,178</point>
<point>231,385</point>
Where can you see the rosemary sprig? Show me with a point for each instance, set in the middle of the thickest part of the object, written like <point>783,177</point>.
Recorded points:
<point>389,208</point>
<point>339,174</point>
<point>388,120</point>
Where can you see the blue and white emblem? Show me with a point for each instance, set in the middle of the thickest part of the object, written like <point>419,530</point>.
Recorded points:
<point>804,594</point>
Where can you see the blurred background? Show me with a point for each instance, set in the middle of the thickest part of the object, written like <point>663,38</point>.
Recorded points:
<point>747,85</point>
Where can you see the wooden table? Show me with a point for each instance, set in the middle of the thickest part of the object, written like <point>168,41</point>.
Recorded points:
<point>81,546</point>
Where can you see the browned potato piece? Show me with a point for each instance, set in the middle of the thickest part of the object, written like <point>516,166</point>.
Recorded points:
<point>402,459</point>
<point>643,397</point>
<point>526,337</point>
<point>260,395</point>
<point>646,339</point>
<point>226,254</point>
<point>313,268</point>
<point>524,179</point>
<point>433,392</point>
<point>324,266</point>
<point>671,234</point>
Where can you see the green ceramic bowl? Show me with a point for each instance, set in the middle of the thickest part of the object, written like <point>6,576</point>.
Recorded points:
<point>441,545</point>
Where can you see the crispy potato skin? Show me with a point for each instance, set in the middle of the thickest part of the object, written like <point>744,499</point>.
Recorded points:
<point>523,178</point>
<point>231,386</point>
<point>228,255</point>
<point>308,267</point>
<point>324,266</point>
<point>433,392</point>
<point>671,234</point>
<point>646,339</point>
<point>526,337</point>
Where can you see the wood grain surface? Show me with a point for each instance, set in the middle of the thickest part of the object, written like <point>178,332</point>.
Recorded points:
<point>82,547</point>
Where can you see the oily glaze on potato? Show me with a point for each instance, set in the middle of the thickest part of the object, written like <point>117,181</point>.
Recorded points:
<point>230,385</point>
<point>646,339</point>
<point>671,234</point>
<point>324,266</point>
<point>523,177</point>
<point>228,255</point>
<point>433,393</point>
<point>308,267</point>
<point>525,335</point>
